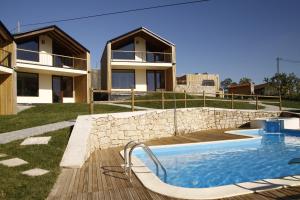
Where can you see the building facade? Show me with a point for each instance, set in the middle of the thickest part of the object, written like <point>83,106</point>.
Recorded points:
<point>199,83</point>
<point>139,60</point>
<point>51,67</point>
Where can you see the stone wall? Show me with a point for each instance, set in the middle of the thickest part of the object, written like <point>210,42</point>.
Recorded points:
<point>113,130</point>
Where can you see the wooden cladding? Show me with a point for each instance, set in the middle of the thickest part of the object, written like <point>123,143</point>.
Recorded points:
<point>7,94</point>
<point>80,89</point>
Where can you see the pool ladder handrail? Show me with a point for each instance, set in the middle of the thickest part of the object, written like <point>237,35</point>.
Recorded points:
<point>128,163</point>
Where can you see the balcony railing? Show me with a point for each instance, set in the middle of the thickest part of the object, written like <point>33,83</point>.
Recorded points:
<point>53,60</point>
<point>5,58</point>
<point>142,56</point>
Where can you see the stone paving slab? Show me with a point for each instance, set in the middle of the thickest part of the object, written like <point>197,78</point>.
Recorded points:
<point>35,172</point>
<point>2,155</point>
<point>36,140</point>
<point>13,162</point>
<point>38,130</point>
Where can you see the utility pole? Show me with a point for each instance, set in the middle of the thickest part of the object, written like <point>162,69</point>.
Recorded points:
<point>277,61</point>
<point>18,27</point>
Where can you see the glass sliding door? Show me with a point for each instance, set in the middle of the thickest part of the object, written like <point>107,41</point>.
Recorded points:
<point>62,86</point>
<point>155,80</point>
<point>57,95</point>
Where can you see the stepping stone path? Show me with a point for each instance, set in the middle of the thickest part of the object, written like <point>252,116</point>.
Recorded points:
<point>13,162</point>
<point>2,155</point>
<point>36,140</point>
<point>35,172</point>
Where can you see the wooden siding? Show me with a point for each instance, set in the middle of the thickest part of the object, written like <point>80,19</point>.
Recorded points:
<point>80,87</point>
<point>169,79</point>
<point>7,94</point>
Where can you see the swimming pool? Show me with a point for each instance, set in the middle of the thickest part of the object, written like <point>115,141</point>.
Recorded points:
<point>215,164</point>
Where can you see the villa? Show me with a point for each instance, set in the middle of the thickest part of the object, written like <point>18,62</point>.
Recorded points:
<point>199,83</point>
<point>139,60</point>
<point>51,67</point>
<point>7,73</point>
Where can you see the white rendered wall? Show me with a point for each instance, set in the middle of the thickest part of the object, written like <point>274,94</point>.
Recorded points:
<point>45,47</point>
<point>140,80</point>
<point>140,48</point>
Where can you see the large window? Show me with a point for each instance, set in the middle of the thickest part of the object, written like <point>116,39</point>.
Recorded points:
<point>155,80</point>
<point>123,79</point>
<point>208,83</point>
<point>27,84</point>
<point>30,45</point>
<point>67,86</point>
<point>125,52</point>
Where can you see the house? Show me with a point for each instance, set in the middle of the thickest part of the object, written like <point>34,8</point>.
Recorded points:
<point>265,89</point>
<point>51,67</point>
<point>7,72</point>
<point>199,83</point>
<point>246,88</point>
<point>95,78</point>
<point>139,60</point>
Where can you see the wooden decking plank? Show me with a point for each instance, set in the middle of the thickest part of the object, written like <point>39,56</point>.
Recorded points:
<point>101,177</point>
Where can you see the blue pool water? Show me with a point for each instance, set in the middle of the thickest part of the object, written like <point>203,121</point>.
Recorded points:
<point>216,164</point>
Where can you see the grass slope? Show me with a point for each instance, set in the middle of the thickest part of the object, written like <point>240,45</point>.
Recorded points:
<point>194,103</point>
<point>49,113</point>
<point>14,185</point>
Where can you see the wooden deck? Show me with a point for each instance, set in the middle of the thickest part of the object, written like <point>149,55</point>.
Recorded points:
<point>102,177</point>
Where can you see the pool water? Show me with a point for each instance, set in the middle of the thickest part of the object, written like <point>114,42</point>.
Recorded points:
<point>229,162</point>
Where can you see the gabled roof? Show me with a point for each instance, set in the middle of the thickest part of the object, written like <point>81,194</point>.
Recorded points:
<point>50,29</point>
<point>145,30</point>
<point>5,32</point>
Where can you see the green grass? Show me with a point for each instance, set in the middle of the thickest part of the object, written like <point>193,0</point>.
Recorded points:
<point>14,185</point>
<point>287,104</point>
<point>49,113</point>
<point>194,103</point>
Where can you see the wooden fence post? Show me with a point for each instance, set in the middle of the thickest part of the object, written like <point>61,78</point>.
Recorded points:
<point>184,98</point>
<point>162,100</point>
<point>280,103</point>
<point>231,100</point>
<point>204,103</point>
<point>91,101</point>
<point>256,102</point>
<point>132,99</point>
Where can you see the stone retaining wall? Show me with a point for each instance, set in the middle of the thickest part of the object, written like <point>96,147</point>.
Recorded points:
<point>116,129</point>
<point>113,130</point>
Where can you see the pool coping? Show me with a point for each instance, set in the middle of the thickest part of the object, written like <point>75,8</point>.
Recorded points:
<point>153,183</point>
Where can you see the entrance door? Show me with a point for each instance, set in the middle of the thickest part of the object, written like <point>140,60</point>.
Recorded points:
<point>57,89</point>
<point>155,80</point>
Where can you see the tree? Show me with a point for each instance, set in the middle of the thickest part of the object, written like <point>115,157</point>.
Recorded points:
<point>226,82</point>
<point>245,80</point>
<point>286,85</point>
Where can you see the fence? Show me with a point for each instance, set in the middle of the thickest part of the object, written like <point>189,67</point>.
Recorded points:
<point>133,98</point>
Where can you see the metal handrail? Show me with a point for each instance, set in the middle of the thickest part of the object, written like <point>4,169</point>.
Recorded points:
<point>126,154</point>
<point>150,154</point>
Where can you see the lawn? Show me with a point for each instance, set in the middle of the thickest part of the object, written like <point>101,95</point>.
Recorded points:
<point>288,104</point>
<point>49,113</point>
<point>14,185</point>
<point>194,103</point>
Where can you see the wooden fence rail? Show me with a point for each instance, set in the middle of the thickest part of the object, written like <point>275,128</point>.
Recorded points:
<point>205,97</point>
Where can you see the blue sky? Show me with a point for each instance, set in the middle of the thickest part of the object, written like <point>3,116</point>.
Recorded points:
<point>233,38</point>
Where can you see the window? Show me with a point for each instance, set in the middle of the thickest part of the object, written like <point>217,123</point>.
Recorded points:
<point>155,80</point>
<point>67,86</point>
<point>31,45</point>
<point>123,79</point>
<point>124,52</point>
<point>27,84</point>
<point>208,83</point>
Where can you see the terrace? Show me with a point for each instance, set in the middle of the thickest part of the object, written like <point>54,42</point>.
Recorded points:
<point>102,176</point>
